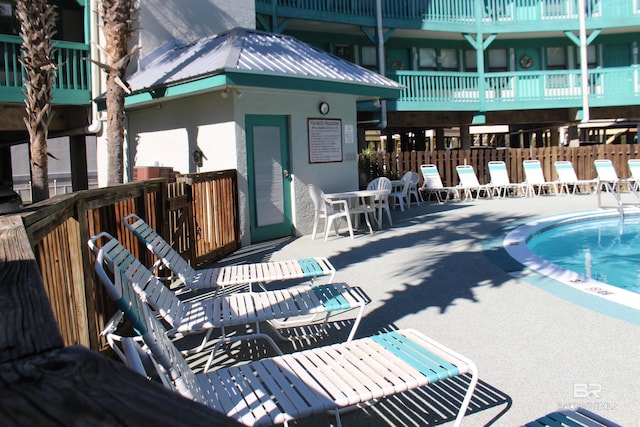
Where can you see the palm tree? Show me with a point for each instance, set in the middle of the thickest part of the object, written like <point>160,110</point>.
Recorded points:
<point>119,19</point>
<point>37,28</point>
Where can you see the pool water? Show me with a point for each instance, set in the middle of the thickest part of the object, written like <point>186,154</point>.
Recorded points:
<point>604,249</point>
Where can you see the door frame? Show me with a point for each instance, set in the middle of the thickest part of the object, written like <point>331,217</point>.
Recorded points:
<point>285,228</point>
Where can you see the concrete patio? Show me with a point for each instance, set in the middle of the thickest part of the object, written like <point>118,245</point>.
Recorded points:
<point>438,270</point>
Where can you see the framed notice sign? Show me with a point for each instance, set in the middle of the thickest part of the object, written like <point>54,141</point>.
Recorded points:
<point>325,140</point>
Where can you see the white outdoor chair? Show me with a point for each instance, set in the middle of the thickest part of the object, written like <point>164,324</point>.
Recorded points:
<point>400,194</point>
<point>634,179</point>
<point>534,178</point>
<point>500,182</point>
<point>283,308</point>
<point>469,183</point>
<point>567,178</point>
<point>608,177</point>
<point>330,211</point>
<point>382,202</point>
<point>283,388</point>
<point>227,278</point>
<point>433,186</point>
<point>412,192</point>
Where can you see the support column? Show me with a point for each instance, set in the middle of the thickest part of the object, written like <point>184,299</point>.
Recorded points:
<point>78,156</point>
<point>439,138</point>
<point>555,137</point>
<point>574,136</point>
<point>465,137</point>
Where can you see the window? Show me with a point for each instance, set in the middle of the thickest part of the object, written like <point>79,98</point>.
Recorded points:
<point>8,24</point>
<point>592,60</point>
<point>470,60</point>
<point>343,51</point>
<point>428,58</point>
<point>369,57</point>
<point>497,59</point>
<point>556,58</point>
<point>448,59</point>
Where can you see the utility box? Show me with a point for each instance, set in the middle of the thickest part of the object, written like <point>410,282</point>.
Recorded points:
<point>142,173</point>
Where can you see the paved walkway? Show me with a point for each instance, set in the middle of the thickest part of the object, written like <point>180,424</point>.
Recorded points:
<point>437,270</point>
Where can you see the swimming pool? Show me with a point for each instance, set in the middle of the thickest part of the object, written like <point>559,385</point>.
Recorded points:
<point>593,251</point>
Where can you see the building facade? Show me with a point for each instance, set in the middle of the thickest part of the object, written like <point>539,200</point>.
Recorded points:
<point>514,63</point>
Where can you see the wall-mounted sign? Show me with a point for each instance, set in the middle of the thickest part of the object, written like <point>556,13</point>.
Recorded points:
<point>325,140</point>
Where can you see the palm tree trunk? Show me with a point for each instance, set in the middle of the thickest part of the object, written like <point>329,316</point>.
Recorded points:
<point>37,28</point>
<point>119,18</point>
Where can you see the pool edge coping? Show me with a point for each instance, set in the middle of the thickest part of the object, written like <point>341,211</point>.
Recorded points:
<point>501,246</point>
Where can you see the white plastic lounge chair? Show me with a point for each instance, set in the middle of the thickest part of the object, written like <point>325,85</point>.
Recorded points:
<point>401,192</point>
<point>634,179</point>
<point>433,185</point>
<point>607,176</point>
<point>330,211</point>
<point>298,305</point>
<point>609,181</point>
<point>469,183</point>
<point>534,178</point>
<point>381,203</point>
<point>567,178</point>
<point>234,276</point>
<point>284,388</point>
<point>500,181</point>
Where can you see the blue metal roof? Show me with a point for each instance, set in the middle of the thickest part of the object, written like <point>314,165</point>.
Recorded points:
<point>243,51</point>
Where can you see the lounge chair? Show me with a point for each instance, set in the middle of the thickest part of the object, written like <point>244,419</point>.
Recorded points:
<point>567,178</point>
<point>534,178</point>
<point>469,183</point>
<point>500,182</point>
<point>298,305</point>
<point>573,417</point>
<point>279,389</point>
<point>608,177</point>
<point>634,168</point>
<point>609,181</point>
<point>433,185</point>
<point>242,276</point>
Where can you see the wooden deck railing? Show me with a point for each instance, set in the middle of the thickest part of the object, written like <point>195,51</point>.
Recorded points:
<point>45,381</point>
<point>386,164</point>
<point>59,228</point>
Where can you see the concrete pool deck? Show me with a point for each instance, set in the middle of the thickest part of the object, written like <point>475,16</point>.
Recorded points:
<point>438,270</point>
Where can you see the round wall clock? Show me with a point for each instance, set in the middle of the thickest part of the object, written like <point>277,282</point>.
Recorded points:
<point>324,108</point>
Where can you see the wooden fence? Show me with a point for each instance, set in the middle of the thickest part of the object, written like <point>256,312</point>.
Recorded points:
<point>392,166</point>
<point>59,228</point>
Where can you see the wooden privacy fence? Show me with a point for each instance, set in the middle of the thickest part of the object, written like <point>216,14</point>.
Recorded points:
<point>392,166</point>
<point>59,228</point>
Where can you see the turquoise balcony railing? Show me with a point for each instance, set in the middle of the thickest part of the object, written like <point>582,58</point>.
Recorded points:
<point>442,91</point>
<point>495,16</point>
<point>72,84</point>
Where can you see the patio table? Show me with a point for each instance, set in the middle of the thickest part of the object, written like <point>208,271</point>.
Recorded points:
<point>359,199</point>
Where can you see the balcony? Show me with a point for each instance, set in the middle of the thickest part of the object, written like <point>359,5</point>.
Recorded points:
<point>496,16</point>
<point>443,91</point>
<point>72,84</point>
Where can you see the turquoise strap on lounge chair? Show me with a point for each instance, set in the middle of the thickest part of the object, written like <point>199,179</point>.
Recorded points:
<point>430,365</point>
<point>331,298</point>
<point>310,267</point>
<point>564,166</point>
